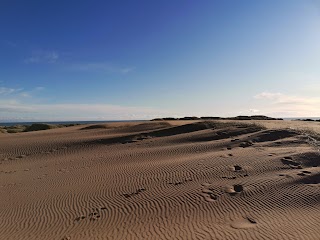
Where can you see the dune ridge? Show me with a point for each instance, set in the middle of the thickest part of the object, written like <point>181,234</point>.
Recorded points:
<point>162,180</point>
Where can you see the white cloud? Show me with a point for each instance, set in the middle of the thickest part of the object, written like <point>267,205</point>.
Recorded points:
<point>7,91</point>
<point>285,99</point>
<point>12,106</point>
<point>312,87</point>
<point>268,95</point>
<point>39,88</point>
<point>16,109</point>
<point>41,56</point>
<point>46,56</point>
<point>254,110</point>
<point>126,70</point>
<point>101,66</point>
<point>284,105</point>
<point>25,94</point>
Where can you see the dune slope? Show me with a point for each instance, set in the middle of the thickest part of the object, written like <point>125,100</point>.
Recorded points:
<point>160,180</point>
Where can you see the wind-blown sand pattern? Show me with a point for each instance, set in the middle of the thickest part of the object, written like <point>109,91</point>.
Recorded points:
<point>161,180</point>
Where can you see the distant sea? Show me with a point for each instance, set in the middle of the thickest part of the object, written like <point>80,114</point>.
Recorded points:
<point>65,122</point>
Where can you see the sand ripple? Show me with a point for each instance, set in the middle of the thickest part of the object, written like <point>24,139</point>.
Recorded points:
<point>178,180</point>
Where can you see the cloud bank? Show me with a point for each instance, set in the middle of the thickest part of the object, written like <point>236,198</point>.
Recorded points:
<point>284,105</point>
<point>11,110</point>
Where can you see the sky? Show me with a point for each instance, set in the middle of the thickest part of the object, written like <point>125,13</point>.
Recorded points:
<point>115,60</point>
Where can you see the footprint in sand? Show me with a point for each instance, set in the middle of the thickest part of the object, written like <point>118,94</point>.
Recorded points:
<point>180,182</point>
<point>237,168</point>
<point>79,218</point>
<point>209,195</point>
<point>304,173</point>
<point>128,195</point>
<point>176,183</point>
<point>233,177</point>
<point>236,139</point>
<point>286,175</point>
<point>94,216</point>
<point>292,164</point>
<point>245,144</point>
<point>233,190</point>
<point>244,223</point>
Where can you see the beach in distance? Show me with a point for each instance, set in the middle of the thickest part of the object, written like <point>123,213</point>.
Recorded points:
<point>182,179</point>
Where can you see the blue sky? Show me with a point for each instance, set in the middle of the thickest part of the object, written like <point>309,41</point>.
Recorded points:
<point>106,60</point>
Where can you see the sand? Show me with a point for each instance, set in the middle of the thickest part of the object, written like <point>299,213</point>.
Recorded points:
<point>161,180</point>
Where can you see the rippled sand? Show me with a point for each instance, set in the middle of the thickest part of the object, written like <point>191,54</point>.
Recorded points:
<point>161,180</point>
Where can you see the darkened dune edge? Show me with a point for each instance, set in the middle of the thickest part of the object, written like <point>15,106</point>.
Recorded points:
<point>166,130</point>
<point>95,126</point>
<point>161,180</point>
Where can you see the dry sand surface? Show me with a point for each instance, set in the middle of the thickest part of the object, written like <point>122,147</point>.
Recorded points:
<point>161,180</point>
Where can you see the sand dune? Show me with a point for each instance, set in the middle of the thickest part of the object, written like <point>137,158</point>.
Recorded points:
<point>162,180</point>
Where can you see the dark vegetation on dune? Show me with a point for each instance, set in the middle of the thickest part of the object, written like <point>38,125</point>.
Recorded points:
<point>308,120</point>
<point>254,117</point>
<point>33,127</point>
<point>38,127</point>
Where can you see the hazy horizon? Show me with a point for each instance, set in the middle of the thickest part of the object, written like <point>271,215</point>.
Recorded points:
<point>13,122</point>
<point>125,60</point>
